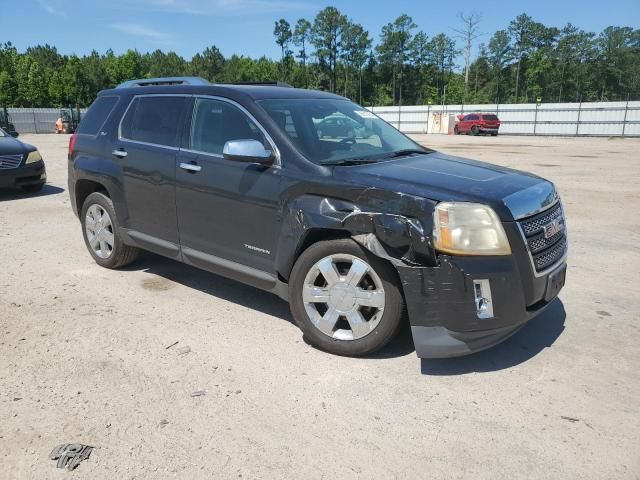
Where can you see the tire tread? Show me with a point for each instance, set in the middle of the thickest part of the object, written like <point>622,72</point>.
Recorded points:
<point>124,254</point>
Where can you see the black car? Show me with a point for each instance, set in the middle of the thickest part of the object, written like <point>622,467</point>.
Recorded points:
<point>21,165</point>
<point>235,179</point>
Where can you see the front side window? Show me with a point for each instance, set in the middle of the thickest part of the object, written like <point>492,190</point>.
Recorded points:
<point>328,131</point>
<point>154,119</point>
<point>215,122</point>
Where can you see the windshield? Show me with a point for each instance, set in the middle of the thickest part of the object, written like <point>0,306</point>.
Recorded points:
<point>328,131</point>
<point>2,133</point>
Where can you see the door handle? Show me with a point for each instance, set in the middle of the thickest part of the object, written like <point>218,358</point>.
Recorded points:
<point>121,153</point>
<point>189,167</point>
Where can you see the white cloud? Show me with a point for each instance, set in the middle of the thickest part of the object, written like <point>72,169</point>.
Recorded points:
<point>214,7</point>
<point>255,6</point>
<point>50,8</point>
<point>139,30</point>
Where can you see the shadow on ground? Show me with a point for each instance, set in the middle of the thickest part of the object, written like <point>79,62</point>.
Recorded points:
<point>212,284</point>
<point>535,336</point>
<point>247,296</point>
<point>7,194</point>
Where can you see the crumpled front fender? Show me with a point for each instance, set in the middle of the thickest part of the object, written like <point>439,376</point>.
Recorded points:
<point>371,220</point>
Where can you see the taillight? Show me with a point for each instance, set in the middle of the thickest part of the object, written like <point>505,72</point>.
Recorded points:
<point>72,144</point>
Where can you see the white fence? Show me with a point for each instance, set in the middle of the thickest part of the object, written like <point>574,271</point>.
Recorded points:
<point>595,118</point>
<point>35,120</point>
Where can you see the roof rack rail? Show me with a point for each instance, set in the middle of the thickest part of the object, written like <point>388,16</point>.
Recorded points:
<point>149,82</point>
<point>264,84</point>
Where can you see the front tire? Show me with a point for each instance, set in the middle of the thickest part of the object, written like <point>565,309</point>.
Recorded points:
<point>345,300</point>
<point>475,130</point>
<point>102,235</point>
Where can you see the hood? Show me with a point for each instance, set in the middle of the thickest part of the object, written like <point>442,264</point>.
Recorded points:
<point>12,146</point>
<point>511,193</point>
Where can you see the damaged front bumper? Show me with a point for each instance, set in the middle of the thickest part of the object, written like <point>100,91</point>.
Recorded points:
<point>448,316</point>
<point>456,305</point>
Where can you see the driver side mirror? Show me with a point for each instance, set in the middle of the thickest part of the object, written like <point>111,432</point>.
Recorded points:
<point>250,151</point>
<point>14,134</point>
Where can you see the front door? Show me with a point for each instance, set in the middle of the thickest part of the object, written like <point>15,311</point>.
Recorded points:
<point>147,148</point>
<point>227,210</point>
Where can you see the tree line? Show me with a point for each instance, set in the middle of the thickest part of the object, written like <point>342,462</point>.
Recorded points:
<point>523,62</point>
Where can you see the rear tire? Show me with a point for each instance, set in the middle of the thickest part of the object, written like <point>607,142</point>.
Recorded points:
<point>358,311</point>
<point>494,134</point>
<point>474,131</point>
<point>102,233</point>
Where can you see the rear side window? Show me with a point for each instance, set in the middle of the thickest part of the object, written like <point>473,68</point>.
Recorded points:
<point>97,115</point>
<point>490,117</point>
<point>155,120</point>
<point>216,122</point>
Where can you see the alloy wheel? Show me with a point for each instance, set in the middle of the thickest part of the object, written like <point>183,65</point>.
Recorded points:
<point>99,230</point>
<point>343,296</point>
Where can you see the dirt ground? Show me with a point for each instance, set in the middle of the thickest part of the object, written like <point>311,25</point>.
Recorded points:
<point>84,357</point>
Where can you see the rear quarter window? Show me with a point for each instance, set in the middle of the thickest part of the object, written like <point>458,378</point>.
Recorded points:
<point>97,115</point>
<point>490,117</point>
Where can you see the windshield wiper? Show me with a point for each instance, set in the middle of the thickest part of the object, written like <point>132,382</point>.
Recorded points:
<point>349,161</point>
<point>408,151</point>
<point>374,158</point>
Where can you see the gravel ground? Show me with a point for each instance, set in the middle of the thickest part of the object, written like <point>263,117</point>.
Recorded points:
<point>84,357</point>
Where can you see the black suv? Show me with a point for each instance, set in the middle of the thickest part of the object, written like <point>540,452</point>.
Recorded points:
<point>353,231</point>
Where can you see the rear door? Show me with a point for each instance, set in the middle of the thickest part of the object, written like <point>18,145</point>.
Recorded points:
<point>227,210</point>
<point>147,146</point>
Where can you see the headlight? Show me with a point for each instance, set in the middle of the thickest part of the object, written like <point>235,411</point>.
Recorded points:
<point>34,157</point>
<point>468,229</point>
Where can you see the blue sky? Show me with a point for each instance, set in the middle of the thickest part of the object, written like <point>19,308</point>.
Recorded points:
<point>246,26</point>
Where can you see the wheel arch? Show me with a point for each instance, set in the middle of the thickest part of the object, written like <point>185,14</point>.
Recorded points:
<point>310,237</point>
<point>85,187</point>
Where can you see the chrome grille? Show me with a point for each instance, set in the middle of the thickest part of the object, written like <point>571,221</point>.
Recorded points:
<point>10,161</point>
<point>545,251</point>
<point>550,256</point>
<point>534,224</point>
<point>538,242</point>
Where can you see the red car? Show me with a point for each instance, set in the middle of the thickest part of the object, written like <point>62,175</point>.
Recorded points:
<point>476,123</point>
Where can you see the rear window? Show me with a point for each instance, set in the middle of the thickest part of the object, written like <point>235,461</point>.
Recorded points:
<point>97,115</point>
<point>490,117</point>
<point>154,120</point>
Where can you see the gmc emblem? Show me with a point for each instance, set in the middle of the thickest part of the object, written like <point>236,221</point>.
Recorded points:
<point>554,227</point>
